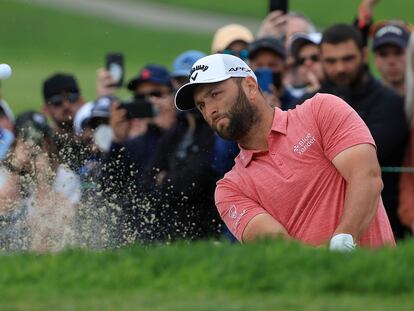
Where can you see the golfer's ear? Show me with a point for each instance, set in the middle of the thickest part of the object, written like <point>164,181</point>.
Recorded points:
<point>251,87</point>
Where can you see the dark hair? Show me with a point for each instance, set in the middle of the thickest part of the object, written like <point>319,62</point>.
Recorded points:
<point>340,33</point>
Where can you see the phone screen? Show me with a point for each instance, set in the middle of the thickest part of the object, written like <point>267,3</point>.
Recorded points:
<point>115,66</point>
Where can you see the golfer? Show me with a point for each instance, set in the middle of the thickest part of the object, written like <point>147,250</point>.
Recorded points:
<point>309,174</point>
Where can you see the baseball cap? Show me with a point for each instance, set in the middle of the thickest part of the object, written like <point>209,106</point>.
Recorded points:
<point>300,39</point>
<point>210,69</point>
<point>391,34</point>
<point>58,83</point>
<point>83,115</point>
<point>267,43</point>
<point>228,34</point>
<point>182,64</point>
<point>151,73</point>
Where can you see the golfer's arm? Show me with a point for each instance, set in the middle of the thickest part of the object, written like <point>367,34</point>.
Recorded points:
<point>262,226</point>
<point>359,167</point>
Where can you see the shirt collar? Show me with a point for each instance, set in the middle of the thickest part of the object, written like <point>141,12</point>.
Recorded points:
<point>279,125</point>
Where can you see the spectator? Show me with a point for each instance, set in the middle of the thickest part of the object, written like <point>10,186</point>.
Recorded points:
<point>40,194</point>
<point>269,52</point>
<point>331,174</point>
<point>135,141</point>
<point>406,208</point>
<point>344,60</point>
<point>307,72</point>
<point>232,39</point>
<point>6,130</point>
<point>389,45</point>
<point>62,99</point>
<point>180,181</point>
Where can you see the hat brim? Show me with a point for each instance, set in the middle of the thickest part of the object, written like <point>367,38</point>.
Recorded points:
<point>389,41</point>
<point>133,84</point>
<point>184,98</point>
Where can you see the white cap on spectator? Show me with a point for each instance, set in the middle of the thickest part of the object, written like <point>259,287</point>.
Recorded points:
<point>83,115</point>
<point>210,69</point>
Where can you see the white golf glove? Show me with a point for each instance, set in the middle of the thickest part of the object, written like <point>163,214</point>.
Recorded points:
<point>342,242</point>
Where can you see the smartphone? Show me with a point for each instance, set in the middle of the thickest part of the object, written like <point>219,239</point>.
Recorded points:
<point>114,63</point>
<point>138,108</point>
<point>264,79</point>
<point>277,80</point>
<point>278,5</point>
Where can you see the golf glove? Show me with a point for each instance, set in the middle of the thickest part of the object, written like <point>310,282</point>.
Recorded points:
<point>342,242</point>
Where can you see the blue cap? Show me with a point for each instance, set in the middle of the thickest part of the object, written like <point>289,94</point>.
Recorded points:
<point>151,73</point>
<point>183,63</point>
<point>391,35</point>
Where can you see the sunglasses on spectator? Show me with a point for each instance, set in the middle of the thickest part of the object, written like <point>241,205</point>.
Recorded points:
<point>58,100</point>
<point>151,94</point>
<point>301,60</point>
<point>243,54</point>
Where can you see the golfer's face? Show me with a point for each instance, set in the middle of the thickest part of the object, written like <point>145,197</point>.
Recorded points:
<point>214,100</point>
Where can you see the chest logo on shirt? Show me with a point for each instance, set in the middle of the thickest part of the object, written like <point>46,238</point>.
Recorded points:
<point>304,144</point>
<point>233,212</point>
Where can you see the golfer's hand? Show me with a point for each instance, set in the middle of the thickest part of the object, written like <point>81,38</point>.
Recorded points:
<point>342,242</point>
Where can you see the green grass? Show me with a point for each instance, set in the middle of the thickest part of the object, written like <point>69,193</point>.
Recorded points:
<point>37,42</point>
<point>322,12</point>
<point>207,276</point>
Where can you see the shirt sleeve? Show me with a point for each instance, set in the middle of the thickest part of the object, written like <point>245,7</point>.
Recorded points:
<point>235,208</point>
<point>339,125</point>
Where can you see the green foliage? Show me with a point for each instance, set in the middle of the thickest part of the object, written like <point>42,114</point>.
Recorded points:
<point>293,272</point>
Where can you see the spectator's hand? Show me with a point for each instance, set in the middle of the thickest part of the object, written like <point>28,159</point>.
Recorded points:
<point>313,82</point>
<point>369,4</point>
<point>166,111</point>
<point>272,99</point>
<point>119,123</point>
<point>274,25</point>
<point>104,83</point>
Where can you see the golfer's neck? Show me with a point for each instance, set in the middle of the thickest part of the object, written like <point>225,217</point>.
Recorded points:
<point>256,138</point>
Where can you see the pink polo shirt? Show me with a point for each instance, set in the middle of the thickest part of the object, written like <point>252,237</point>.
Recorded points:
<point>295,181</point>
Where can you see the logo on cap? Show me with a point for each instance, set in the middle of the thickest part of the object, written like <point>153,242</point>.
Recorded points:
<point>197,68</point>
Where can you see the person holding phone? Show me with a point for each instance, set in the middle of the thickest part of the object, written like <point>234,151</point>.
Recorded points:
<point>267,57</point>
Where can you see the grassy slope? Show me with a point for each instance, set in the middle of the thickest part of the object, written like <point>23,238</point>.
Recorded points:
<point>322,12</point>
<point>210,277</point>
<point>37,42</point>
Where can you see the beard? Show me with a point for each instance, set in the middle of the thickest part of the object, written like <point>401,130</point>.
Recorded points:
<point>348,80</point>
<point>242,115</point>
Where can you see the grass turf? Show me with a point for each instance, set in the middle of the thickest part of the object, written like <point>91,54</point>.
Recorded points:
<point>209,276</point>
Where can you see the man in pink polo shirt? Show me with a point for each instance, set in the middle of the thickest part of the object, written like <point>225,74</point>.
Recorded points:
<point>309,174</point>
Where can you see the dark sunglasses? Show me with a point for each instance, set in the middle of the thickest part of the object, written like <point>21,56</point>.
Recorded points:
<point>243,54</point>
<point>150,94</point>
<point>58,100</point>
<point>301,60</point>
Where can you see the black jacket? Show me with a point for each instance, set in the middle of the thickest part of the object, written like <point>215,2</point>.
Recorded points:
<point>383,112</point>
<point>183,203</point>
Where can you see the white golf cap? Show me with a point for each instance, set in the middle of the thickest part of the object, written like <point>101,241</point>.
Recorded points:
<point>210,69</point>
